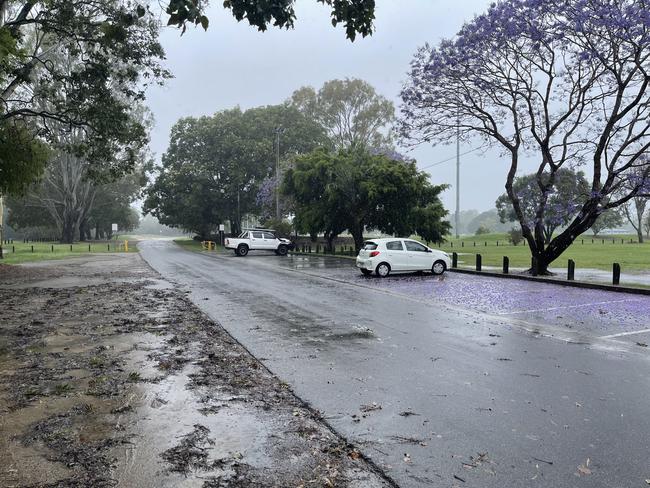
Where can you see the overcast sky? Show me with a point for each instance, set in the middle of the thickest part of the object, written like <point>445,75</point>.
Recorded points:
<point>233,64</point>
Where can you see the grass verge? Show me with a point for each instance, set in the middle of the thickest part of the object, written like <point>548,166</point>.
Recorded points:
<point>19,252</point>
<point>586,251</point>
<point>192,245</point>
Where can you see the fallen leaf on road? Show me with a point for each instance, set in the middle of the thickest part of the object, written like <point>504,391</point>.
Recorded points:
<point>504,359</point>
<point>459,478</point>
<point>642,344</point>
<point>583,469</point>
<point>354,454</point>
<point>407,413</point>
<point>407,457</point>
<point>370,408</point>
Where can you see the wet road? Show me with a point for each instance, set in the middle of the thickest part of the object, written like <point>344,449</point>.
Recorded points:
<point>462,381</point>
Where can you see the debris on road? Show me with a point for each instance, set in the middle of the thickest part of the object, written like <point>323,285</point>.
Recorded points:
<point>583,469</point>
<point>95,376</point>
<point>370,407</point>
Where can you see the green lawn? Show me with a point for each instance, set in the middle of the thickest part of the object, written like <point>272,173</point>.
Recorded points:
<point>192,245</point>
<point>22,253</point>
<point>585,253</point>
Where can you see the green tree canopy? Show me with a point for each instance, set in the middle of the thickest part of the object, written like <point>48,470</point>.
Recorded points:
<point>213,167</point>
<point>609,219</point>
<point>356,15</point>
<point>78,67</point>
<point>22,158</point>
<point>350,110</point>
<point>353,190</point>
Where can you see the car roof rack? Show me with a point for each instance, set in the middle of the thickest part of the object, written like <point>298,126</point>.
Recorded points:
<point>259,228</point>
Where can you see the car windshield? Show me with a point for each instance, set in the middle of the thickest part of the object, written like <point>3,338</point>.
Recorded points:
<point>369,246</point>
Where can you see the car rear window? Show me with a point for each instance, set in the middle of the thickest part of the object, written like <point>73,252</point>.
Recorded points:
<point>269,235</point>
<point>394,246</point>
<point>369,246</point>
<point>257,235</point>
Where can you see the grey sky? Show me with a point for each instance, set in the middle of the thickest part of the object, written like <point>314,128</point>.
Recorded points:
<point>233,64</point>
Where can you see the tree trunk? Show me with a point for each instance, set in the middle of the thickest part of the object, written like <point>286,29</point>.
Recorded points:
<point>235,226</point>
<point>330,236</point>
<point>357,235</point>
<point>67,237</point>
<point>639,233</point>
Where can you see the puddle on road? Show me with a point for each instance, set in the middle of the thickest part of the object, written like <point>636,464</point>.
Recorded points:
<point>169,411</point>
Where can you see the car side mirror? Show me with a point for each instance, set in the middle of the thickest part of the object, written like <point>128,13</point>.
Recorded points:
<point>429,250</point>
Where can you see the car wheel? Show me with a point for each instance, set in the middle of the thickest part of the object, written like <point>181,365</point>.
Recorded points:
<point>366,272</point>
<point>382,270</point>
<point>242,250</point>
<point>438,267</point>
<point>282,250</point>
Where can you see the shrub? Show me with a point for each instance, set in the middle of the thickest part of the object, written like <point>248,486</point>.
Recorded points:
<point>515,236</point>
<point>482,230</point>
<point>282,227</point>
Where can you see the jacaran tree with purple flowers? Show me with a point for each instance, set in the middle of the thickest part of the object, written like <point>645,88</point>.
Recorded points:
<point>564,82</point>
<point>571,187</point>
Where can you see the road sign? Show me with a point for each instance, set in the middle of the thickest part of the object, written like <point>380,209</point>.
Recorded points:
<point>222,227</point>
<point>114,227</point>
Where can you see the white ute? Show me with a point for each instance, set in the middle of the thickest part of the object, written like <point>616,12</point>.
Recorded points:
<point>258,239</point>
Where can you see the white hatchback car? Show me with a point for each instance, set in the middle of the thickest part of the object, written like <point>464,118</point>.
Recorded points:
<point>395,255</point>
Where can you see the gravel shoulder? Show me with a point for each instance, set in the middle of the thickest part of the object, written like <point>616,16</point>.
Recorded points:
<point>109,376</point>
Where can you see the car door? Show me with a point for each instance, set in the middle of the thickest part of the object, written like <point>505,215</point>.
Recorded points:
<point>257,240</point>
<point>270,241</point>
<point>397,256</point>
<point>419,257</point>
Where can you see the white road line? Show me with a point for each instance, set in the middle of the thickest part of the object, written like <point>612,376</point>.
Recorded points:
<point>569,306</point>
<point>622,334</point>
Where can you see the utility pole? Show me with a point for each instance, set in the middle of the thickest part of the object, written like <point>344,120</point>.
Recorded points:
<point>457,176</point>
<point>238,212</point>
<point>278,130</point>
<point>2,223</point>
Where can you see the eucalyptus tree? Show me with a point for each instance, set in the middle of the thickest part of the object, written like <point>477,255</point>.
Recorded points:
<point>563,82</point>
<point>350,110</point>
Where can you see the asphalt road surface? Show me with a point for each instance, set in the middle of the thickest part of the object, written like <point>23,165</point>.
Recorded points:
<point>456,381</point>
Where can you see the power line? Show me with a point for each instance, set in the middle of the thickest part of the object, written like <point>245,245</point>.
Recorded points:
<point>449,159</point>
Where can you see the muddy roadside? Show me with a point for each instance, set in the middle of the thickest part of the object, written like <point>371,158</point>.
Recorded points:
<point>111,377</point>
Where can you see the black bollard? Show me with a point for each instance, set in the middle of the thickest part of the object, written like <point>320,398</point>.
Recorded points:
<point>506,265</point>
<point>571,270</point>
<point>616,274</point>
<point>479,262</point>
<point>454,260</point>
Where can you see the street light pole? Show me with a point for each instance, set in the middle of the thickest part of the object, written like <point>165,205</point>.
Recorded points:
<point>277,172</point>
<point>457,176</point>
